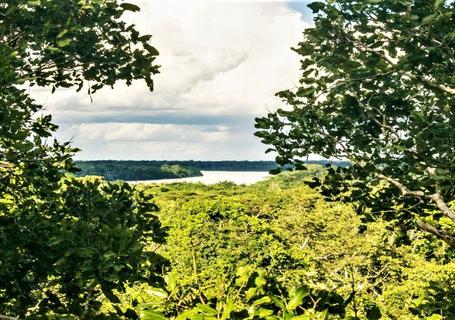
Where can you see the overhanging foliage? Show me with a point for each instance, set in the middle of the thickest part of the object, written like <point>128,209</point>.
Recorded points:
<point>377,88</point>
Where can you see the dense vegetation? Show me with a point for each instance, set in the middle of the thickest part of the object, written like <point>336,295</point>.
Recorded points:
<point>239,251</point>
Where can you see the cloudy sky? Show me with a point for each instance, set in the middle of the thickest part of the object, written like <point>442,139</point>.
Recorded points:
<point>222,62</point>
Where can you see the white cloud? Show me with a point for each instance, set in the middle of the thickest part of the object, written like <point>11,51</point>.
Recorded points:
<point>133,132</point>
<point>220,60</point>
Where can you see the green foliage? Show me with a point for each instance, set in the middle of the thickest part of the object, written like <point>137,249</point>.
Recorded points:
<point>89,245</point>
<point>66,43</point>
<point>278,235</point>
<point>377,88</point>
<point>65,244</point>
<point>251,296</point>
<point>425,294</point>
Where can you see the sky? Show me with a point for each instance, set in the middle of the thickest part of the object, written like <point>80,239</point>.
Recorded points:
<point>221,64</point>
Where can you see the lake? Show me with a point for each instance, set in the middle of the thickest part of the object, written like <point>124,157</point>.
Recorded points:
<point>212,177</point>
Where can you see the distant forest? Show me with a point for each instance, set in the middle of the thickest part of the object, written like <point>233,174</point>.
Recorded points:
<point>153,170</point>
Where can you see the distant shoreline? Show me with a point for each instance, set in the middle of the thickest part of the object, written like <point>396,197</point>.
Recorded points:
<point>141,170</point>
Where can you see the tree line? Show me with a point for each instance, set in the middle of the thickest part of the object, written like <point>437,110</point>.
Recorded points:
<point>154,169</point>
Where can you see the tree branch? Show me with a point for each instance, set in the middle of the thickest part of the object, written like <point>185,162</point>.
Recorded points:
<point>2,317</point>
<point>384,126</point>
<point>404,191</point>
<point>441,234</point>
<point>87,300</point>
<point>435,197</point>
<point>442,205</point>
<point>433,85</point>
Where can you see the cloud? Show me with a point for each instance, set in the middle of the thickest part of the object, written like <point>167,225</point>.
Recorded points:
<point>222,62</point>
<point>134,132</point>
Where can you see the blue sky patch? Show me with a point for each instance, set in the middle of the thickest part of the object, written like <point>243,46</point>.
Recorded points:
<point>301,6</point>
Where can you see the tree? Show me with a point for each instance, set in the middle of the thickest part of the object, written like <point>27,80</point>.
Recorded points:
<point>377,88</point>
<point>65,243</point>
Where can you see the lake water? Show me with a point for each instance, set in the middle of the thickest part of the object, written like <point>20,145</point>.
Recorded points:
<point>212,177</point>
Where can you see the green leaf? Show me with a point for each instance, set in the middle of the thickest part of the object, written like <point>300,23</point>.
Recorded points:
<point>301,317</point>
<point>150,49</point>
<point>62,33</point>
<point>261,301</point>
<point>278,302</point>
<point>34,3</point>
<point>296,297</point>
<point>63,42</point>
<point>151,315</point>
<point>243,274</point>
<point>157,292</point>
<point>438,3</point>
<point>323,315</point>
<point>146,306</point>
<point>316,6</point>
<point>260,281</point>
<point>373,312</point>
<point>228,308</point>
<point>263,313</point>
<point>207,310</point>
<point>145,38</point>
<point>53,49</point>
<point>250,293</point>
<point>430,18</point>
<point>130,7</point>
